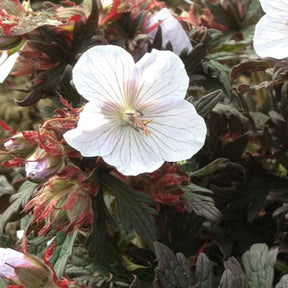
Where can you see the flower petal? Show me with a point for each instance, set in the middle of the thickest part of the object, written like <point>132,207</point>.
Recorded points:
<point>172,31</point>
<point>134,153</point>
<point>103,74</point>
<point>275,8</point>
<point>271,38</point>
<point>163,78</point>
<point>6,64</point>
<point>96,133</point>
<point>178,132</point>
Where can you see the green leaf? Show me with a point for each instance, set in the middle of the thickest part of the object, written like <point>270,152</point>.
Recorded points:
<point>207,102</point>
<point>63,251</point>
<point>283,282</point>
<point>233,275</point>
<point>101,215</point>
<point>3,283</point>
<point>200,204</point>
<point>19,201</point>
<point>211,168</point>
<point>204,272</point>
<point>218,71</point>
<point>172,270</point>
<point>133,209</point>
<point>259,264</point>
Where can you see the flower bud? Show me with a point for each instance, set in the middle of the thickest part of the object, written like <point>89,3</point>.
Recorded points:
<point>26,270</point>
<point>62,203</point>
<point>42,165</point>
<point>19,146</point>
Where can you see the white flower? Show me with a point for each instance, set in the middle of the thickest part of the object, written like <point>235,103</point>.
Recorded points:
<point>171,31</point>
<point>6,64</point>
<point>136,117</point>
<point>271,32</point>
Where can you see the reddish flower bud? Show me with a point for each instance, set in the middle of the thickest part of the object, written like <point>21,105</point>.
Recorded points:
<point>19,145</point>
<point>63,204</point>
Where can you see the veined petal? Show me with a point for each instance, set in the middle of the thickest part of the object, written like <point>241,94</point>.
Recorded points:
<point>134,153</point>
<point>178,132</point>
<point>96,134</point>
<point>175,134</point>
<point>163,78</point>
<point>275,8</point>
<point>104,74</point>
<point>271,38</point>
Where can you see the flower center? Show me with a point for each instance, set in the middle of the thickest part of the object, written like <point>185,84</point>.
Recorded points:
<point>134,118</point>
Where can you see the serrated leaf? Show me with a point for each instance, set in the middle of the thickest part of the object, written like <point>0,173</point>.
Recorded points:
<point>19,201</point>
<point>172,270</point>
<point>83,32</point>
<point>219,71</point>
<point>133,209</point>
<point>259,264</point>
<point>200,204</point>
<point>204,272</point>
<point>233,275</point>
<point>283,283</point>
<point>101,215</point>
<point>226,280</point>
<point>63,251</point>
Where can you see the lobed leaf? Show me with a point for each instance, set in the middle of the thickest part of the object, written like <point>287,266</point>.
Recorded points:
<point>63,251</point>
<point>172,270</point>
<point>204,272</point>
<point>283,283</point>
<point>233,275</point>
<point>133,209</point>
<point>259,264</point>
<point>19,201</point>
<point>200,204</point>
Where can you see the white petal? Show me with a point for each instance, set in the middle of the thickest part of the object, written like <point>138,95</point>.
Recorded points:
<point>134,153</point>
<point>275,8</point>
<point>6,64</point>
<point>171,31</point>
<point>271,38</point>
<point>96,133</point>
<point>163,78</point>
<point>174,135</point>
<point>178,132</point>
<point>104,73</point>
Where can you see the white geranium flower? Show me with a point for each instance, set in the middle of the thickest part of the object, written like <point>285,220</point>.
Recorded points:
<point>271,32</point>
<point>171,31</point>
<point>136,117</point>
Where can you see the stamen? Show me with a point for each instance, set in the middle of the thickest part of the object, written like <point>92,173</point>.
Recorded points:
<point>137,123</point>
